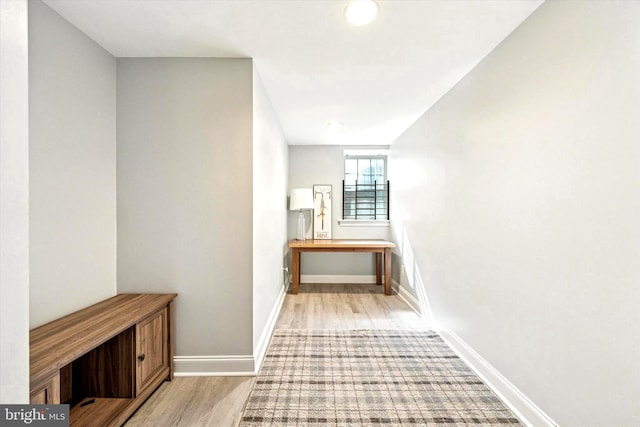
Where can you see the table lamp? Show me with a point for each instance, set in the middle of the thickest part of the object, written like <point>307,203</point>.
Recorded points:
<point>301,199</point>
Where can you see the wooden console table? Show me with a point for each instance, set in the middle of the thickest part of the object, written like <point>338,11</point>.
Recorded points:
<point>379,247</point>
<point>104,360</point>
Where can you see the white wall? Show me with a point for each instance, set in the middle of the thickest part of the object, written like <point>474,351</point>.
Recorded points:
<point>14,202</point>
<point>309,165</point>
<point>185,196</point>
<point>270,158</point>
<point>72,83</point>
<point>520,194</point>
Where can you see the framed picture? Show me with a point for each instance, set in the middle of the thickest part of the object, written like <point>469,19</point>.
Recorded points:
<point>322,212</point>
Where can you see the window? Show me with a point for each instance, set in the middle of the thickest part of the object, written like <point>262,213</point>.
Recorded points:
<point>365,189</point>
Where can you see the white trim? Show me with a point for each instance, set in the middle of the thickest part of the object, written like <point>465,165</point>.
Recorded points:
<point>330,278</point>
<point>214,374</point>
<point>364,222</point>
<point>247,365</point>
<point>520,405</point>
<point>262,344</point>
<point>406,296</point>
<point>194,366</point>
<point>230,366</point>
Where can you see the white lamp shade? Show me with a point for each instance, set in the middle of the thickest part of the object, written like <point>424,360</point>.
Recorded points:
<point>301,198</point>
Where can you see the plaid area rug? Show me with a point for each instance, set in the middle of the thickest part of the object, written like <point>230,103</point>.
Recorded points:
<point>368,378</point>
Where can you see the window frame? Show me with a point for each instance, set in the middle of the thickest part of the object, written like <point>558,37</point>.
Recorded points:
<point>365,221</point>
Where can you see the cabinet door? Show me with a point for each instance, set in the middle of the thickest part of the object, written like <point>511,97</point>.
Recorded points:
<point>151,347</point>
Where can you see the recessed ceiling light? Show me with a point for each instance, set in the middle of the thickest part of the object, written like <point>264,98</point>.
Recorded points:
<point>335,125</point>
<point>361,12</point>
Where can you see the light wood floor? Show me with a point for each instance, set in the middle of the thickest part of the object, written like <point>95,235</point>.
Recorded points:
<point>218,401</point>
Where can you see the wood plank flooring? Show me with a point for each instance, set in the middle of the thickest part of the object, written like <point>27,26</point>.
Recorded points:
<point>350,306</point>
<point>218,401</point>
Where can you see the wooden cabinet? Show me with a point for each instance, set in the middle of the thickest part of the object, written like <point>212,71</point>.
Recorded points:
<point>105,360</point>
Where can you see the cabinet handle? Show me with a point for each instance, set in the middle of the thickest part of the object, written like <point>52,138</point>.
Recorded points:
<point>141,357</point>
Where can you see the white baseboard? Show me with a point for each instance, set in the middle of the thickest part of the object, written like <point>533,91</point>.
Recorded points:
<point>226,366</point>
<point>406,296</point>
<point>262,344</point>
<point>518,403</point>
<point>230,366</point>
<point>351,278</point>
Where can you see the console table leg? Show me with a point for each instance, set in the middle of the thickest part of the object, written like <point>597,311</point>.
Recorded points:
<point>295,267</point>
<point>387,271</point>
<point>378,268</point>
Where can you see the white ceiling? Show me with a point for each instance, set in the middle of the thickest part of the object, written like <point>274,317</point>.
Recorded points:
<point>377,79</point>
